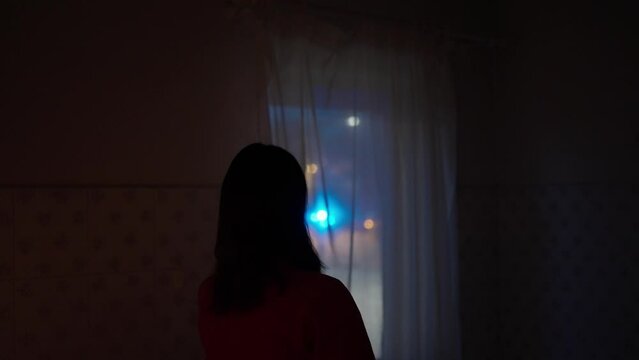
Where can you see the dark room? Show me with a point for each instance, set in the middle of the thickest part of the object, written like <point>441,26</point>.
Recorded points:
<point>319,179</point>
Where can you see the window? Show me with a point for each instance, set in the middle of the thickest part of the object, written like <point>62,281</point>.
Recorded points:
<point>335,148</point>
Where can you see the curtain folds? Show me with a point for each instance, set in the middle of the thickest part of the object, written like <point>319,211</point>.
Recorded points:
<point>368,111</point>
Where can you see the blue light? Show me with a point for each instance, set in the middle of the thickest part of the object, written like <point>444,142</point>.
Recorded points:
<point>320,217</point>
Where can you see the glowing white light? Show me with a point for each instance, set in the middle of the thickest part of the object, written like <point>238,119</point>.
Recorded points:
<point>352,121</point>
<point>322,215</point>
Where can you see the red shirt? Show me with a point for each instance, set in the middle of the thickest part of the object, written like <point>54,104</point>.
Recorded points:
<point>315,318</point>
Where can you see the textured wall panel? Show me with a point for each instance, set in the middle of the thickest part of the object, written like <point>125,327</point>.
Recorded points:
<point>103,273</point>
<point>567,280</point>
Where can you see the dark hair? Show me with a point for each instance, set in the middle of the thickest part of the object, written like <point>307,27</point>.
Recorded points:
<point>262,230</point>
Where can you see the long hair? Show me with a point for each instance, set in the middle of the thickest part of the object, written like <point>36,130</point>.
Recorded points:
<point>262,230</point>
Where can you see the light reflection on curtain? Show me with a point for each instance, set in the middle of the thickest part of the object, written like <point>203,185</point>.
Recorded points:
<point>372,123</point>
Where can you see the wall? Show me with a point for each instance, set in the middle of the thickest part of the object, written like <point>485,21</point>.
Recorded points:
<point>567,84</point>
<point>475,71</point>
<point>548,189</point>
<point>116,93</point>
<point>118,123</point>
<point>549,271</point>
<point>103,273</point>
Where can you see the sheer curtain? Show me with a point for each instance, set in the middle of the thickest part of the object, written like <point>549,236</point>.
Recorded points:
<point>367,110</point>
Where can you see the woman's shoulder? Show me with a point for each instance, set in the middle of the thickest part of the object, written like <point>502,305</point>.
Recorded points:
<point>207,283</point>
<point>205,292</point>
<point>311,285</point>
<point>327,282</point>
<point>304,277</point>
<point>337,328</point>
<point>320,286</point>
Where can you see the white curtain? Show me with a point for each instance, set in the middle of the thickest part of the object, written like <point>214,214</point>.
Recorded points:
<point>368,111</point>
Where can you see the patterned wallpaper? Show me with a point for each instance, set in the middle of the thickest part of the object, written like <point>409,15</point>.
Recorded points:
<point>103,273</point>
<point>550,272</point>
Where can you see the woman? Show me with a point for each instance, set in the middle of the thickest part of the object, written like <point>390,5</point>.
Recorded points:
<point>267,298</point>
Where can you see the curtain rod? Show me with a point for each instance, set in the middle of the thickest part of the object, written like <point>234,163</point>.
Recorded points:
<point>336,11</point>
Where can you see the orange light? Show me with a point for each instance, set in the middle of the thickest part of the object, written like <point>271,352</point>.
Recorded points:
<point>311,168</point>
<point>369,224</point>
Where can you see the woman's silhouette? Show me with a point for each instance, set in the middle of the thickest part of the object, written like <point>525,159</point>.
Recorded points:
<point>267,298</point>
